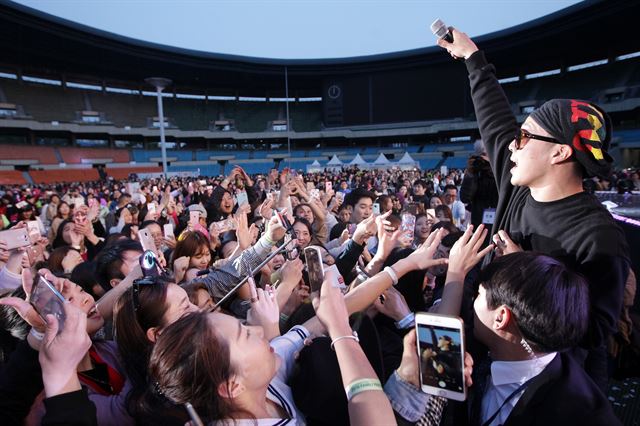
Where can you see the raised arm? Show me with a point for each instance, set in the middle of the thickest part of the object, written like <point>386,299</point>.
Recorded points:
<point>495,117</point>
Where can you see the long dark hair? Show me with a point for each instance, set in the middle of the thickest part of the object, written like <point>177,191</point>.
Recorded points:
<point>188,364</point>
<point>131,325</point>
<point>59,241</point>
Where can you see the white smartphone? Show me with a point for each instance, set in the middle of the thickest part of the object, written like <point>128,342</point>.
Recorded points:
<point>168,229</point>
<point>315,268</point>
<point>151,208</point>
<point>441,350</point>
<point>376,209</point>
<point>328,186</point>
<point>16,238</point>
<point>146,240</point>
<point>242,198</point>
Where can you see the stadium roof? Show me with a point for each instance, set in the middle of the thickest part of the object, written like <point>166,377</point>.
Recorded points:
<point>41,44</point>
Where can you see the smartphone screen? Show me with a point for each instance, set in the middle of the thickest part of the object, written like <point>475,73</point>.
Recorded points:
<point>376,208</point>
<point>46,300</point>
<point>16,238</point>
<point>408,224</point>
<point>441,351</point>
<point>151,208</point>
<point>315,269</point>
<point>168,229</point>
<point>242,198</point>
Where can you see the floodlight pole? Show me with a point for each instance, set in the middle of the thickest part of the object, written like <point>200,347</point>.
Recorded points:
<point>160,84</point>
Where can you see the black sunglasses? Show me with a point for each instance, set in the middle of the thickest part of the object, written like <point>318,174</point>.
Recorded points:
<point>523,134</point>
<point>135,291</point>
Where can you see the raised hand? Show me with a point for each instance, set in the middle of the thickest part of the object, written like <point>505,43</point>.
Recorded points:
<point>61,353</point>
<point>462,46</point>
<point>422,257</point>
<point>466,253</point>
<point>264,310</point>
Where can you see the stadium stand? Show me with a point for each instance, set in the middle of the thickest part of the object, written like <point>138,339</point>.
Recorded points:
<point>62,175</point>
<point>20,153</point>
<point>9,177</point>
<point>124,172</point>
<point>86,155</point>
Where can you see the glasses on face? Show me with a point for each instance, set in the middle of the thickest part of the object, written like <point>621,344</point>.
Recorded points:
<point>522,134</point>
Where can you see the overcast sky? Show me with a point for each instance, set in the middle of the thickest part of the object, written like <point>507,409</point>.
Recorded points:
<point>295,28</point>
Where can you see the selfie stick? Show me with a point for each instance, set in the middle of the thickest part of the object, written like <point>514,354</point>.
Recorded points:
<point>252,273</point>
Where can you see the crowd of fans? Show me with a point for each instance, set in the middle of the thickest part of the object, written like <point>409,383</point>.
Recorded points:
<point>187,300</point>
<point>140,352</point>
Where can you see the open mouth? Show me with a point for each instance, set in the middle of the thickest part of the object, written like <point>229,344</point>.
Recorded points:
<point>93,312</point>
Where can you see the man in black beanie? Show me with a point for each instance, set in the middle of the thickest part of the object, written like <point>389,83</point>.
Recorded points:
<point>539,168</point>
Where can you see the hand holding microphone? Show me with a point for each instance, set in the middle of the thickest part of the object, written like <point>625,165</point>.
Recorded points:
<point>458,44</point>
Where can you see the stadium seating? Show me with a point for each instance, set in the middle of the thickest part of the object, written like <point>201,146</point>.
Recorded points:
<point>42,102</point>
<point>11,177</point>
<point>42,154</point>
<point>76,155</point>
<point>124,172</point>
<point>64,175</point>
<point>124,110</point>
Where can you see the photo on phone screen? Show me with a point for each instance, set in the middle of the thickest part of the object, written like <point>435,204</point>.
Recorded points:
<point>315,269</point>
<point>441,352</point>
<point>46,300</point>
<point>408,224</point>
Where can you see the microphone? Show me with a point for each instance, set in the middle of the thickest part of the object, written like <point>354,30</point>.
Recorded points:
<point>440,30</point>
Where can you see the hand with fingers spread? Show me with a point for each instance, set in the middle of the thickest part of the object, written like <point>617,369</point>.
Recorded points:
<point>422,257</point>
<point>61,353</point>
<point>504,244</point>
<point>466,252</point>
<point>264,310</point>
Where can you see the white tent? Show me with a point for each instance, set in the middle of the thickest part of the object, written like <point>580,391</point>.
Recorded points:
<point>334,164</point>
<point>335,161</point>
<point>358,161</point>
<point>314,167</point>
<point>407,162</point>
<point>381,160</point>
